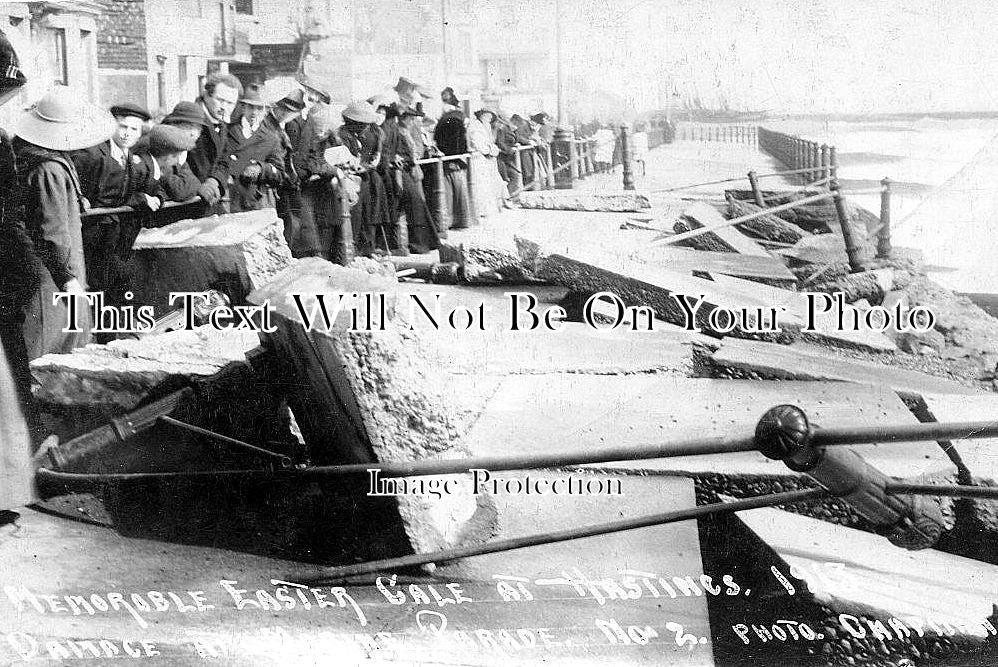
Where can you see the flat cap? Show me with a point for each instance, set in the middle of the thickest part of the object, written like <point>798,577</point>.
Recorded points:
<point>130,109</point>
<point>166,139</point>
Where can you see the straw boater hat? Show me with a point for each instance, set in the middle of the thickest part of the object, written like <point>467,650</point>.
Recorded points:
<point>385,98</point>
<point>64,121</point>
<point>361,112</point>
<point>312,88</point>
<point>404,86</point>
<point>293,101</point>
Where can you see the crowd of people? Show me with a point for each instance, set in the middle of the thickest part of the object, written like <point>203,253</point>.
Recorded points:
<point>78,182</point>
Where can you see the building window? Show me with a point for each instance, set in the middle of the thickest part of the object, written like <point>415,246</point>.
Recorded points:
<point>244,6</point>
<point>61,59</point>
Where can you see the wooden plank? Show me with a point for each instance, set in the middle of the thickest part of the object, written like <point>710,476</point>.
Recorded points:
<point>710,217</point>
<point>980,455</point>
<point>925,584</point>
<point>593,412</point>
<point>806,362</point>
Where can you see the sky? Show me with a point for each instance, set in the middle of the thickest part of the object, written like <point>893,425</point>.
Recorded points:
<point>849,56</point>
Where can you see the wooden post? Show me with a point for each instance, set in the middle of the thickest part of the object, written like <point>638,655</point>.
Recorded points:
<point>626,157</point>
<point>826,163</point>
<point>756,191</point>
<point>833,164</point>
<point>852,249</point>
<point>440,204</point>
<point>884,238</point>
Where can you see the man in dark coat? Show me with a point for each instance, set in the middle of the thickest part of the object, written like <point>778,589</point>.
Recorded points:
<point>256,150</point>
<point>107,173</point>
<point>221,93</point>
<point>451,137</point>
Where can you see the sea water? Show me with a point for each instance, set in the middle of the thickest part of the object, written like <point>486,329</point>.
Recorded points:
<point>944,175</point>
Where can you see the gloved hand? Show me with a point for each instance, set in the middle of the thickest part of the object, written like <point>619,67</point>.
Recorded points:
<point>152,203</point>
<point>210,192</point>
<point>252,172</point>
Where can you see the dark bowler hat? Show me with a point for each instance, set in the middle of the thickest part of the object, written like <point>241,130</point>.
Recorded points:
<point>130,109</point>
<point>166,139</point>
<point>186,112</point>
<point>253,96</point>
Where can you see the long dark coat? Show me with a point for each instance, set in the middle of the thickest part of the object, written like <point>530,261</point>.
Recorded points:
<point>50,197</point>
<point>371,211</point>
<point>267,146</point>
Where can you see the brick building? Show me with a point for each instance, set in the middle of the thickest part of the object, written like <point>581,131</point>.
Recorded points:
<point>157,52</point>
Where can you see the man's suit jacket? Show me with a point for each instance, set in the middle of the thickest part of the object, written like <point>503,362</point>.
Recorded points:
<point>267,146</point>
<point>204,159</point>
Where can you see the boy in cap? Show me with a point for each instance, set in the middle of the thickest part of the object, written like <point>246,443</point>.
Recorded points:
<point>106,173</point>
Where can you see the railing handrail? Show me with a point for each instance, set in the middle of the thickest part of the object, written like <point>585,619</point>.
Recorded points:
<point>117,210</point>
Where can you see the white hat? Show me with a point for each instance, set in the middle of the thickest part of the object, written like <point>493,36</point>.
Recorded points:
<point>64,121</point>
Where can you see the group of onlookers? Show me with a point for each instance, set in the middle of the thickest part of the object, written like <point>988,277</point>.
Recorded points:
<point>78,182</point>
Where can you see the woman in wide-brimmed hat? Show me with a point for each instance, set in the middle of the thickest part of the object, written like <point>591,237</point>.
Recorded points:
<point>50,199</point>
<point>364,140</point>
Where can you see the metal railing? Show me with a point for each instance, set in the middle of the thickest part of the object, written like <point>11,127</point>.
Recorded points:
<point>813,160</point>
<point>731,133</point>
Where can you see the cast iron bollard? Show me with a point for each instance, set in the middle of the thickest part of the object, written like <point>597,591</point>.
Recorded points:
<point>884,238</point>
<point>440,204</point>
<point>833,164</point>
<point>344,235</point>
<point>626,157</point>
<point>563,148</point>
<point>826,163</point>
<point>852,249</point>
<point>756,192</point>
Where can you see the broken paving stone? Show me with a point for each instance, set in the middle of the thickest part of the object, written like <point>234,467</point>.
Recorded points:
<point>617,202</point>
<point>122,373</point>
<point>234,253</point>
<point>363,397</point>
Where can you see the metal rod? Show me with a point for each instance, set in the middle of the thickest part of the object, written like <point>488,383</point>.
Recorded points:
<point>952,490</point>
<point>284,460</point>
<point>553,537</point>
<point>856,435</point>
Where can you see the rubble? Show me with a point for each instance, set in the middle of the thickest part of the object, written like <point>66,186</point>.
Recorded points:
<point>584,201</point>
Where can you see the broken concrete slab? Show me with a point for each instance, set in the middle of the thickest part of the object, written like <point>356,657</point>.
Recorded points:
<point>652,410</point>
<point>722,233</point>
<point>798,312</point>
<point>123,373</point>
<point>808,362</point>
<point>584,201</point>
<point>871,574</point>
<point>979,454</point>
<point>501,350</point>
<point>362,396</point>
<point>767,227</point>
<point>234,253</point>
